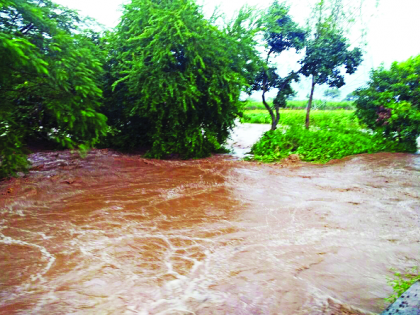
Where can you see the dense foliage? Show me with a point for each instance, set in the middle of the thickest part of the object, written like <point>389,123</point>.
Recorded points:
<point>390,103</point>
<point>176,78</point>
<point>49,87</point>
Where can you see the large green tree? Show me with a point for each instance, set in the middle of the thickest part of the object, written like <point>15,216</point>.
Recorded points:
<point>390,103</point>
<point>50,82</point>
<point>176,78</point>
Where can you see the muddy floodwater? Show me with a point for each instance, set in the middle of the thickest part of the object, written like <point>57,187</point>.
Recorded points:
<point>119,234</point>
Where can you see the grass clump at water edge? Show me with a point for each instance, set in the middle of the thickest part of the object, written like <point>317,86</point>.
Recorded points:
<point>402,282</point>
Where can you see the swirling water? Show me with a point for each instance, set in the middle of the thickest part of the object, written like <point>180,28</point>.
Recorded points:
<point>119,234</point>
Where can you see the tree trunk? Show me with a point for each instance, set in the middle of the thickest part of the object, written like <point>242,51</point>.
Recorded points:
<point>277,119</point>
<point>273,118</point>
<point>308,107</point>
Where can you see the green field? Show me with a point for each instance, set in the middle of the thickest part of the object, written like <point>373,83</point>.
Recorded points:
<point>319,118</point>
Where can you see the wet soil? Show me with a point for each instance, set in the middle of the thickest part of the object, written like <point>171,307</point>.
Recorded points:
<point>119,234</point>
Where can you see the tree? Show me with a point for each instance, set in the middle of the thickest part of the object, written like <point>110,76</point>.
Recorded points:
<point>390,103</point>
<point>327,51</point>
<point>176,78</point>
<point>332,93</point>
<point>281,33</point>
<point>50,83</point>
<point>351,97</point>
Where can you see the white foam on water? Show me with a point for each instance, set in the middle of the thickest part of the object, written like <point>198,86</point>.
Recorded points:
<point>46,254</point>
<point>10,210</point>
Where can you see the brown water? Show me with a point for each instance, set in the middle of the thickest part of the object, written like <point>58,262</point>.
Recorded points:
<point>118,234</point>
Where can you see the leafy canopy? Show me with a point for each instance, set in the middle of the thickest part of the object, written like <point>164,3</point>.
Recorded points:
<point>325,54</point>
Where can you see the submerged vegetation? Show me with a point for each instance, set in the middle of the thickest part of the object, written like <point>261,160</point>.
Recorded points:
<point>169,79</point>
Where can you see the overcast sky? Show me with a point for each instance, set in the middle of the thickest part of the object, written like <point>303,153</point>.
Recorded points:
<point>393,33</point>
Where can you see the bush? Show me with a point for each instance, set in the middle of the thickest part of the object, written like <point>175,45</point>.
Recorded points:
<point>318,145</point>
<point>390,103</point>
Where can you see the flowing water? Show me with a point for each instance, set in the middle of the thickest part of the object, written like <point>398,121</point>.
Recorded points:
<point>119,234</point>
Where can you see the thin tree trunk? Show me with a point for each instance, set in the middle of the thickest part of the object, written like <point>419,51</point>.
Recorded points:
<point>273,117</point>
<point>308,107</point>
<point>277,118</point>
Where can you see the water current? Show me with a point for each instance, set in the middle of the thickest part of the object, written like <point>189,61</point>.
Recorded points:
<point>120,234</point>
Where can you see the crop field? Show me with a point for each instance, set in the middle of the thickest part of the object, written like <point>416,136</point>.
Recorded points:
<point>319,118</point>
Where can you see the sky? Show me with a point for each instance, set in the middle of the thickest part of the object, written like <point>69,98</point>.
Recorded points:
<point>392,33</point>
